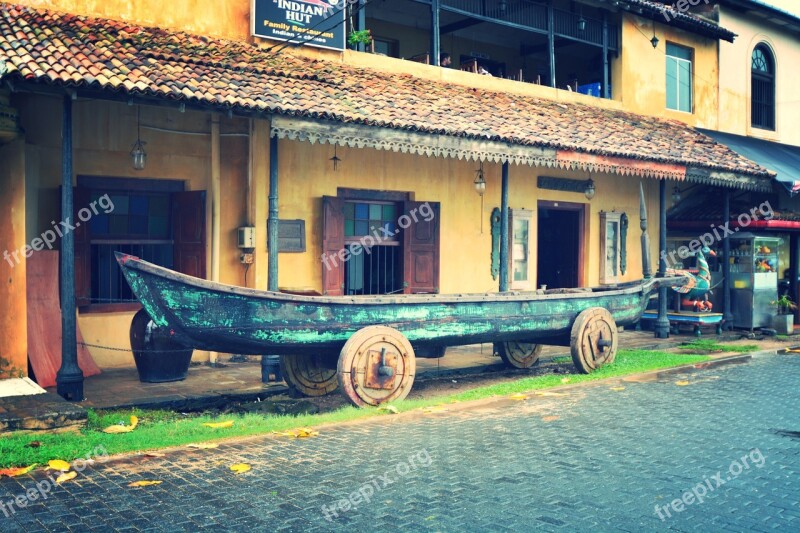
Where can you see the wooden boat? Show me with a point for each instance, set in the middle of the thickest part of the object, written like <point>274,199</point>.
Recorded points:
<point>367,344</point>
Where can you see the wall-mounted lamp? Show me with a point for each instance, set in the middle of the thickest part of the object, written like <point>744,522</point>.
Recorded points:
<point>480,182</point>
<point>581,24</point>
<point>654,41</point>
<point>503,6</point>
<point>335,159</point>
<point>138,155</point>
<point>676,195</point>
<point>589,190</point>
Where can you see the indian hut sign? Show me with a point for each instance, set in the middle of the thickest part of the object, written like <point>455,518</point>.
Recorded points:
<point>318,23</point>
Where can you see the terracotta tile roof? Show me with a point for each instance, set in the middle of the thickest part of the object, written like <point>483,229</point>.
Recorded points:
<point>61,49</point>
<point>656,10</point>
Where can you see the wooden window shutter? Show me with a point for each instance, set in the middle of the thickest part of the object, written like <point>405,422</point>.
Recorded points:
<point>421,249</point>
<point>332,242</point>
<point>189,232</point>
<point>83,250</point>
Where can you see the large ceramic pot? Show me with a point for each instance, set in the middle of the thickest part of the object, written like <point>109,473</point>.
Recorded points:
<point>158,357</point>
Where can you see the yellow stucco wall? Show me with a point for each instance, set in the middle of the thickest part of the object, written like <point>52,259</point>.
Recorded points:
<point>735,61</point>
<point>13,318</point>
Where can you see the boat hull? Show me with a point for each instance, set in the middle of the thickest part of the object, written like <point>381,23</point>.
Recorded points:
<point>212,316</point>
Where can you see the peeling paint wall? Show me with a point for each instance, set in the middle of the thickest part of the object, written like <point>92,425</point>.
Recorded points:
<point>13,318</point>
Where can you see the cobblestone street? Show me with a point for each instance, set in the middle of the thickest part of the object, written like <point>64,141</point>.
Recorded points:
<point>599,457</point>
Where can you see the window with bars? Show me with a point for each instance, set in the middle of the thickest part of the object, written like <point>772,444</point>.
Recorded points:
<point>762,108</point>
<point>679,78</point>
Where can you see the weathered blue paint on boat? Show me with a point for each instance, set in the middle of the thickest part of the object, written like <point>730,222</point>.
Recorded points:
<point>213,316</point>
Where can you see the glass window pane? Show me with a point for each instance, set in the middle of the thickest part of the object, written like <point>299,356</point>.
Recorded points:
<point>118,225</point>
<point>362,211</point>
<point>685,86</point>
<point>349,210</point>
<point>375,211</point>
<point>348,228</point>
<point>158,228</point>
<point>681,52</point>
<point>120,204</point>
<point>388,213</point>
<point>672,83</point>
<point>361,227</point>
<point>139,205</point>
<point>138,225</point>
<point>98,225</point>
<point>159,205</point>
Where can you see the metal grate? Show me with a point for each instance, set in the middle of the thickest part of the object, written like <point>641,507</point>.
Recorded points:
<point>375,270</point>
<point>108,283</point>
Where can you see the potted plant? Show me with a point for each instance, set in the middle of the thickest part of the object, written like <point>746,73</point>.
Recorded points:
<point>360,37</point>
<point>783,322</point>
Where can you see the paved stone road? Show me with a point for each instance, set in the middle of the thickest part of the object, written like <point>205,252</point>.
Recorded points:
<point>591,459</point>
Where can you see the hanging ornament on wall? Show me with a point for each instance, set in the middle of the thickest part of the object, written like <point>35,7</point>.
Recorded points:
<point>335,159</point>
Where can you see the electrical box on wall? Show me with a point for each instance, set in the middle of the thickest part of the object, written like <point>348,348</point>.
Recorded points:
<point>247,237</point>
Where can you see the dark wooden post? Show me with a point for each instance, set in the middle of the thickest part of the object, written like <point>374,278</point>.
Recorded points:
<point>551,43</point>
<point>504,230</point>
<point>272,221</point>
<point>794,248</point>
<point>662,322</point>
<point>435,36</point>
<point>362,23</point>
<point>727,315</point>
<point>606,74</point>
<point>69,379</point>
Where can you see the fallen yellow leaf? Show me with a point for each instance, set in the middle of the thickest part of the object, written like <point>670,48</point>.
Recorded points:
<point>240,468</point>
<point>564,380</point>
<point>14,472</point>
<point>518,397</point>
<point>218,425</point>
<point>545,393</point>
<point>681,383</point>
<point>144,483</point>
<point>118,428</point>
<point>203,445</point>
<point>617,389</point>
<point>58,464</point>
<point>389,409</point>
<point>66,477</point>
<point>299,433</point>
<point>434,409</point>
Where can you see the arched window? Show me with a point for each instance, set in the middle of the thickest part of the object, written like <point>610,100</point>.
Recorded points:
<point>763,88</point>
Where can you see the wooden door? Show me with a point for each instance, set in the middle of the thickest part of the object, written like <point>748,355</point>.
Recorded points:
<point>332,243</point>
<point>189,232</point>
<point>420,247</point>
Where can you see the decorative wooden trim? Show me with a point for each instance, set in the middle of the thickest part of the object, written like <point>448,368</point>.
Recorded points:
<point>562,184</point>
<point>371,194</point>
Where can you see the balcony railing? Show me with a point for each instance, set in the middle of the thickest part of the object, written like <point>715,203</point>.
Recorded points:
<point>533,17</point>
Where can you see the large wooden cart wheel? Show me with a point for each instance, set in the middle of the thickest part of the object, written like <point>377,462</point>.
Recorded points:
<point>593,341</point>
<point>519,354</point>
<point>376,366</point>
<point>308,374</point>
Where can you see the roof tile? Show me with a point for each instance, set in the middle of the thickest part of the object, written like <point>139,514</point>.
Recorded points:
<point>177,65</point>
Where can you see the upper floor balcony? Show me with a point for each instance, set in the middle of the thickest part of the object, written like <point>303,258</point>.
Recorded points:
<point>562,44</point>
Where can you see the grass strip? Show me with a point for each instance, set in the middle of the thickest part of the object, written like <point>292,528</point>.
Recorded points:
<point>162,429</point>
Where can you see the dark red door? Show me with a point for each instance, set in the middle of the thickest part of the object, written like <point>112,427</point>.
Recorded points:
<point>420,247</point>
<point>332,243</point>
<point>189,232</point>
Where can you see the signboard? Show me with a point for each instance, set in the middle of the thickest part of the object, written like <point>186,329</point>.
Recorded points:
<point>318,23</point>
